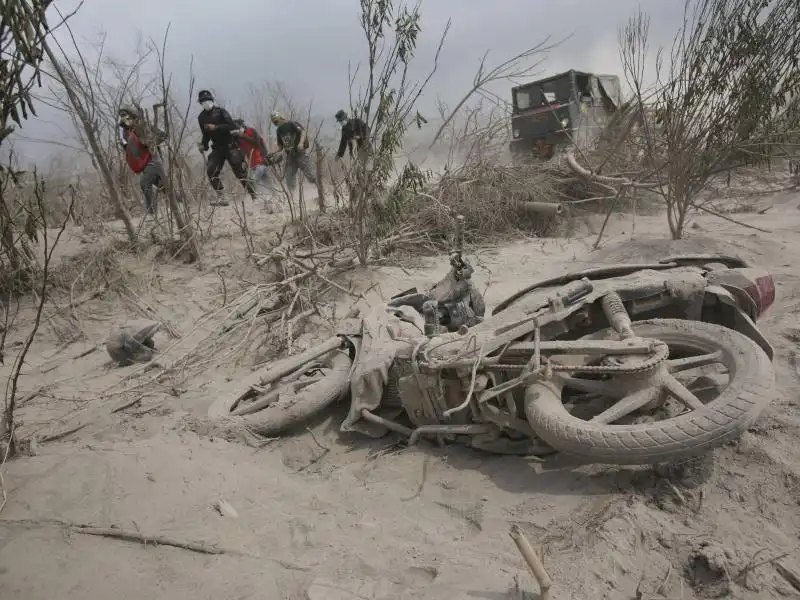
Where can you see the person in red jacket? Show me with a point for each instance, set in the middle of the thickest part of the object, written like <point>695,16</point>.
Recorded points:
<point>256,154</point>
<point>139,143</point>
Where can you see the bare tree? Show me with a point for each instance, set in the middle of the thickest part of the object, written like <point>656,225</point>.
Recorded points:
<point>82,102</point>
<point>524,64</point>
<point>387,104</point>
<point>36,215</point>
<point>476,133</point>
<point>103,83</point>
<point>173,183</point>
<point>23,31</point>
<point>726,97</point>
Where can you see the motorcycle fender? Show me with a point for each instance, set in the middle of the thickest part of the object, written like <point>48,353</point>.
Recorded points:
<point>742,321</point>
<point>746,325</point>
<point>356,342</point>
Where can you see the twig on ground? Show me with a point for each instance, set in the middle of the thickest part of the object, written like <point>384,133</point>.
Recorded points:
<point>151,312</point>
<point>128,404</point>
<point>28,397</point>
<point>156,540</point>
<point>62,434</point>
<point>752,566</point>
<point>292,322</point>
<point>6,451</point>
<point>422,480</point>
<point>790,575</point>
<point>86,352</point>
<point>316,441</point>
<point>681,498</point>
<point>285,320</point>
<point>533,561</point>
<point>732,220</point>
<point>317,458</point>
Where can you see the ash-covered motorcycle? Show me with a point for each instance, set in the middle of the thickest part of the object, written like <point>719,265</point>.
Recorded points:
<point>623,364</point>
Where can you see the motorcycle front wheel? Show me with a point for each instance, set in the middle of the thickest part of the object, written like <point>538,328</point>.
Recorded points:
<point>304,390</point>
<point>620,434</point>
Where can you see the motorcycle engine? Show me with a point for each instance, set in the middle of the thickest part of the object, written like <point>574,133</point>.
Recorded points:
<point>459,313</point>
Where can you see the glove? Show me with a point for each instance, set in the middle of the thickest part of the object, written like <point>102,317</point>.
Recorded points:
<point>201,147</point>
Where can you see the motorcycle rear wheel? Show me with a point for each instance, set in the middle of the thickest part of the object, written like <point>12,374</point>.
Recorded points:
<point>290,400</point>
<point>751,387</point>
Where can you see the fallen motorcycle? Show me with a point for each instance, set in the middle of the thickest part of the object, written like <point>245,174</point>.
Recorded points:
<point>301,386</point>
<point>620,364</point>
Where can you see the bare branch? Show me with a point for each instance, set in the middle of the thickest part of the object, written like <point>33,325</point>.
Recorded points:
<point>516,67</point>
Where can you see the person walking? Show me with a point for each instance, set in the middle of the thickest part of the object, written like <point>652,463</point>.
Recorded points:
<point>139,142</point>
<point>355,133</point>
<point>217,127</point>
<point>254,148</point>
<point>293,141</point>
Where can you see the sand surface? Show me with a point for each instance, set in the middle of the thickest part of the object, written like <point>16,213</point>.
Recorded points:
<point>329,517</point>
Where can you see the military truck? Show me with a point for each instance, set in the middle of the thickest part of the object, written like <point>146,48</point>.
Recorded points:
<point>550,114</point>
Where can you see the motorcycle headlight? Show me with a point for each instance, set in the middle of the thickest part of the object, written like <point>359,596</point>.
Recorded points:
<point>516,133</point>
<point>565,123</point>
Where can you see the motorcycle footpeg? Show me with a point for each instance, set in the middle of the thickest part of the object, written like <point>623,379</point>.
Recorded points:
<point>408,292</point>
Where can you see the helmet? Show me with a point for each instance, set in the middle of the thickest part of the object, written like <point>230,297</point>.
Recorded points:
<point>132,342</point>
<point>205,96</point>
<point>128,111</point>
<point>341,116</point>
<point>127,115</point>
<point>276,117</point>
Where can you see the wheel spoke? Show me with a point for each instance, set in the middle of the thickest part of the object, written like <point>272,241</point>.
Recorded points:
<point>692,362</point>
<point>591,386</point>
<point>681,393</point>
<point>627,405</point>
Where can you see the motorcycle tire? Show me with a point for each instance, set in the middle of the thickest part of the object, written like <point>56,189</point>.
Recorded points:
<point>750,389</point>
<point>288,410</point>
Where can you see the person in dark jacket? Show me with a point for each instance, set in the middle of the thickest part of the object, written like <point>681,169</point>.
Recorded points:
<point>140,142</point>
<point>292,139</point>
<point>355,132</point>
<point>218,127</point>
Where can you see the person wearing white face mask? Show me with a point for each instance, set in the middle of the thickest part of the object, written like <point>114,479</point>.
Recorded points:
<point>218,127</point>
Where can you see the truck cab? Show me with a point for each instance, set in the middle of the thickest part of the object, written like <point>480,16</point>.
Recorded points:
<point>558,111</point>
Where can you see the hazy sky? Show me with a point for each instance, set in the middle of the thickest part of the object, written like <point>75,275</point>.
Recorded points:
<point>307,44</point>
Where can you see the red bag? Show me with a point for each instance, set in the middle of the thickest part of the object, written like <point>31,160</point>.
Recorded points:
<point>136,153</point>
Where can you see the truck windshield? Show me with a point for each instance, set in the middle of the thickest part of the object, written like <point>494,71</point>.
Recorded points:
<point>539,94</point>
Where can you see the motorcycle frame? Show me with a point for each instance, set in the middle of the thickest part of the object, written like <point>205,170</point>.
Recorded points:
<point>521,331</point>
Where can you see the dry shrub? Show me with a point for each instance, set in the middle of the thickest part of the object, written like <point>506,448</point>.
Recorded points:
<point>494,200</point>
<point>84,193</point>
<point>105,266</point>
